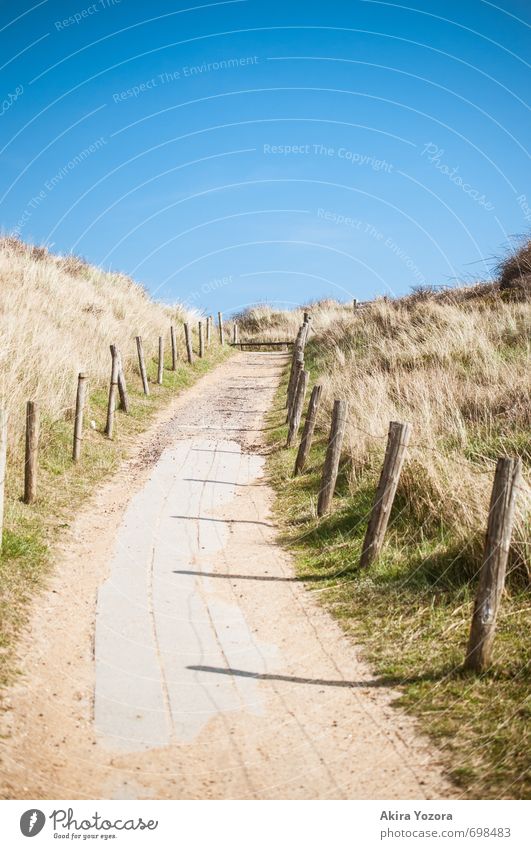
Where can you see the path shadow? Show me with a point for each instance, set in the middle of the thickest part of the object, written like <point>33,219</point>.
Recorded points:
<point>223,428</point>
<point>224,521</point>
<point>218,451</point>
<point>290,580</point>
<point>224,483</point>
<point>290,679</point>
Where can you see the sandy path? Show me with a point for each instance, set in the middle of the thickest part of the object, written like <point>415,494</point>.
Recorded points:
<point>174,655</point>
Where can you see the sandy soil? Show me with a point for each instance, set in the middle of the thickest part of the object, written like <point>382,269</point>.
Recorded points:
<point>173,654</point>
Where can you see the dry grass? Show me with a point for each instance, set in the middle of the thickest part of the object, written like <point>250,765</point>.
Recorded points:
<point>57,318</point>
<point>456,365</point>
<point>515,270</point>
<point>268,324</point>
<point>459,374</point>
<point>456,368</point>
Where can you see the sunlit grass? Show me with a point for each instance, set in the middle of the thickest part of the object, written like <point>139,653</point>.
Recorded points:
<point>411,610</point>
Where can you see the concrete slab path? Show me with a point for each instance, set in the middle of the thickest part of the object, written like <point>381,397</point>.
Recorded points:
<point>175,655</point>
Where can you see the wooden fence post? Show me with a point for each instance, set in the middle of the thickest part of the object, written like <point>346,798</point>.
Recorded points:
<point>299,367</point>
<point>295,395</point>
<point>354,303</point>
<point>78,421</point>
<point>122,387</point>
<point>307,432</point>
<point>188,340</point>
<point>235,333</point>
<point>113,387</point>
<point>201,343</point>
<point>298,404</point>
<point>306,327</point>
<point>160,371</point>
<point>173,349</point>
<point>395,454</point>
<point>32,448</point>
<point>220,324</point>
<point>333,455</point>
<point>296,348</point>
<point>208,330</point>
<point>142,365</point>
<point>3,461</point>
<point>495,555</point>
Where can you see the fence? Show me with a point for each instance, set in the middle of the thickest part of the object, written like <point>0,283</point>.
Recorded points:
<point>503,498</point>
<point>118,398</point>
<point>501,511</point>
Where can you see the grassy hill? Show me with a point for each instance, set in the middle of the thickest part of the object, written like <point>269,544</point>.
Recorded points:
<point>58,316</point>
<point>455,364</point>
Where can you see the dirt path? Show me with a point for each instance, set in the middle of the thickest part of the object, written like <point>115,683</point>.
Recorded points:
<point>175,656</point>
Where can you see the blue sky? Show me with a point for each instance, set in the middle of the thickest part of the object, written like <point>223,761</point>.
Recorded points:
<point>229,153</point>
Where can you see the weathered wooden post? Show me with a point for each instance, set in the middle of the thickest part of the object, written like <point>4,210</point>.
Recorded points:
<point>3,463</point>
<point>122,386</point>
<point>292,406</point>
<point>235,333</point>
<point>113,388</point>
<point>395,454</point>
<point>160,370</point>
<point>208,330</point>
<point>333,455</point>
<point>296,346</point>
<point>299,367</point>
<point>297,406</point>
<point>188,340</point>
<point>296,349</point>
<point>220,324</point>
<point>306,327</point>
<point>32,449</point>
<point>173,349</point>
<point>142,365</point>
<point>201,343</point>
<point>494,565</point>
<point>354,303</point>
<point>307,432</point>
<point>78,420</point>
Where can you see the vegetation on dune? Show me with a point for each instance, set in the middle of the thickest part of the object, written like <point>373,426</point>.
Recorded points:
<point>455,365</point>
<point>58,316</point>
<point>515,271</point>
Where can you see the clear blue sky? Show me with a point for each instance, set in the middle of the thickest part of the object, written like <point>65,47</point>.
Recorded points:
<point>229,153</point>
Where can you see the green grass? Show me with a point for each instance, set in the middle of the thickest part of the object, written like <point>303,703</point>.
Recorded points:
<point>30,531</point>
<point>411,613</point>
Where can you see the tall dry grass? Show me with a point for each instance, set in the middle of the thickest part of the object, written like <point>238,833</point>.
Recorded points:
<point>456,367</point>
<point>265,323</point>
<point>459,374</point>
<point>58,316</point>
